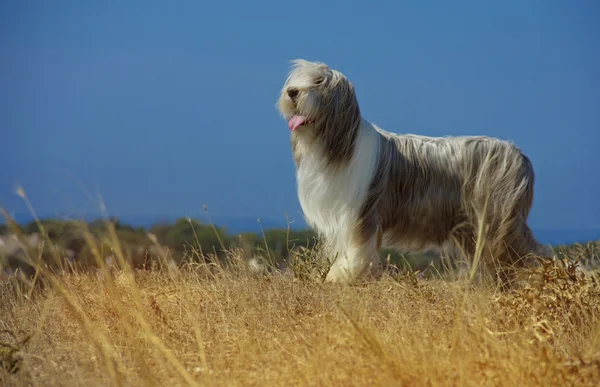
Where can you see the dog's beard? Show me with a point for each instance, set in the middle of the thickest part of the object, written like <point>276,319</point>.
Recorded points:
<point>298,112</point>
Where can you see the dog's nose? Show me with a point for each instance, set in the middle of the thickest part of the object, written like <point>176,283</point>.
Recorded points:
<point>293,93</point>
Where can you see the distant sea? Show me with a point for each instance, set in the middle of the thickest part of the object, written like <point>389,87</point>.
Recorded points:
<point>236,225</point>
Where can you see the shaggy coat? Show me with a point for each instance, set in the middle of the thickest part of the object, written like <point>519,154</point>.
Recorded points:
<point>362,188</point>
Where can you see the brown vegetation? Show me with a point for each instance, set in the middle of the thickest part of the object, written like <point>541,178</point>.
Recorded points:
<point>216,323</point>
<point>218,317</point>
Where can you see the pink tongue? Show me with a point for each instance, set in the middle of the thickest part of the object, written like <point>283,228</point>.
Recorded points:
<point>296,121</point>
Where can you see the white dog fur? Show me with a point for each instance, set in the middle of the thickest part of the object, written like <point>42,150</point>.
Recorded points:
<point>362,188</point>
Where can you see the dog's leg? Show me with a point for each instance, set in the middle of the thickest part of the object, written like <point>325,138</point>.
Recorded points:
<point>359,262</point>
<point>522,251</point>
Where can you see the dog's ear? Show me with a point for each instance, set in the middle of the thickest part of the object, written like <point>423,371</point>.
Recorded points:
<point>340,119</point>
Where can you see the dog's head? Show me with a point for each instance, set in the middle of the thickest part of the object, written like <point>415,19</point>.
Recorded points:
<point>319,98</point>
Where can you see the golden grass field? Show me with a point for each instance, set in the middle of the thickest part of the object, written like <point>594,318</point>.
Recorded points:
<point>206,324</point>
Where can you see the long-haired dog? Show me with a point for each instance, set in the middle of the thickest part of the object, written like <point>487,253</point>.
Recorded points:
<point>362,188</point>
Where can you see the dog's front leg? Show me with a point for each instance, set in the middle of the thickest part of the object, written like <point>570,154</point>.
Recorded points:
<point>359,262</point>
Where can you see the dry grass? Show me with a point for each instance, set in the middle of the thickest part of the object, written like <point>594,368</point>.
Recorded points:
<point>209,325</point>
<point>206,324</point>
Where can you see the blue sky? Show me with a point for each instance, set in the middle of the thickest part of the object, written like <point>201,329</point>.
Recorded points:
<point>164,106</point>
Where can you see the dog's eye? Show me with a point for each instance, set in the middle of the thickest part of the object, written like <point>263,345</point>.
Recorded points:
<point>319,80</point>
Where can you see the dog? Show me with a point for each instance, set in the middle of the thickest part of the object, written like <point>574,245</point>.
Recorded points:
<point>362,188</point>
